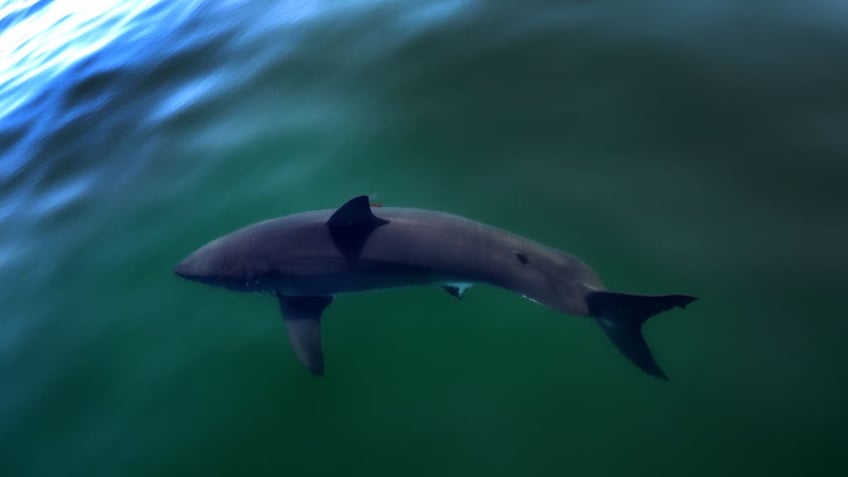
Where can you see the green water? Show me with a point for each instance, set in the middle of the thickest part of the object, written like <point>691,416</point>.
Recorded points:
<point>676,147</point>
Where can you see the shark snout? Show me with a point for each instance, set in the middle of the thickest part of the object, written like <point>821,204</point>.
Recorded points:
<point>196,266</point>
<point>185,268</point>
<point>204,264</point>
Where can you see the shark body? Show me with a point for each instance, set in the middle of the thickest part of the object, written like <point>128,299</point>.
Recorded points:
<point>306,259</point>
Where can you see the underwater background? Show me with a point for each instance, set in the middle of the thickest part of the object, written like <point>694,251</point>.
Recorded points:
<point>693,147</point>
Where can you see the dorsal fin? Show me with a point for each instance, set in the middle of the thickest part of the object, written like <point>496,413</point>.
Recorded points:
<point>355,213</point>
<point>351,224</point>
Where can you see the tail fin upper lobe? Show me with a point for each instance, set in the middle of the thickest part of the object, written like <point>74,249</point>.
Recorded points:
<point>621,316</point>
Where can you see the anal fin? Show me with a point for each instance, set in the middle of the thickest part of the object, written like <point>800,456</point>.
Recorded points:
<point>456,290</point>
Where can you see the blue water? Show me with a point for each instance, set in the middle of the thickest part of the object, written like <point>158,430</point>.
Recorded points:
<point>687,147</point>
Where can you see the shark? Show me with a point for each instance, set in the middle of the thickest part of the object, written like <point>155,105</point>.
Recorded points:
<point>306,259</point>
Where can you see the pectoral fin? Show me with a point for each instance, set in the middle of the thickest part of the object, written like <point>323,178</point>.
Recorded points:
<point>302,315</point>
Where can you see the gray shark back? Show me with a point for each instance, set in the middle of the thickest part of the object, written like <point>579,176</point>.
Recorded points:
<point>414,247</point>
<point>305,259</point>
<point>454,248</point>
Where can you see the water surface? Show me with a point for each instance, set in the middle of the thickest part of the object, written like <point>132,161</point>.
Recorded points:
<point>688,147</point>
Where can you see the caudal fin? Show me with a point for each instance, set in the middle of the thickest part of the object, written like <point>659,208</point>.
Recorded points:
<point>621,316</point>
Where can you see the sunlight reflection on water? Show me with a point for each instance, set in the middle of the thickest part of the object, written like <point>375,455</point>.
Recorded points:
<point>48,42</point>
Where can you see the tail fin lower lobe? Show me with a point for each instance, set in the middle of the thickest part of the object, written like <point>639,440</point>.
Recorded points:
<point>621,316</point>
